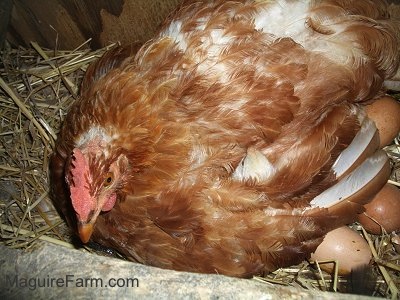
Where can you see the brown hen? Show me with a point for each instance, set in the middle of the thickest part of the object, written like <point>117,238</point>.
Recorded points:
<point>234,140</point>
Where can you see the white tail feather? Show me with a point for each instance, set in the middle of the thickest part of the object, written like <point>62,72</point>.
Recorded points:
<point>363,145</point>
<point>354,182</point>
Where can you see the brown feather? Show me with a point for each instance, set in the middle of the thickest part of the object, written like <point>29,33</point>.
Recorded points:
<point>220,132</point>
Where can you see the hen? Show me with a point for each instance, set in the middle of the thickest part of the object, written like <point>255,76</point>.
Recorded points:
<point>234,140</point>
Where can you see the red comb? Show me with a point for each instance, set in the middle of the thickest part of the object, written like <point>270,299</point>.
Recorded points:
<point>79,187</point>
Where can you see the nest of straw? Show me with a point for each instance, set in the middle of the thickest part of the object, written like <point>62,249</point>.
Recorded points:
<point>37,88</point>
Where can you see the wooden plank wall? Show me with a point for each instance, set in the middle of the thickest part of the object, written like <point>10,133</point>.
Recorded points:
<point>69,23</point>
<point>5,13</point>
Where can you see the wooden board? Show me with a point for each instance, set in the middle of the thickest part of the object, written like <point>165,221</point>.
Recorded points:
<point>66,24</point>
<point>33,275</point>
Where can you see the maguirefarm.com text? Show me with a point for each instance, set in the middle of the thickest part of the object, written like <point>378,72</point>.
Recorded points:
<point>69,280</point>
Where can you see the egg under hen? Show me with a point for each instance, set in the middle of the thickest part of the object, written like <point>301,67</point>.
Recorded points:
<point>233,141</point>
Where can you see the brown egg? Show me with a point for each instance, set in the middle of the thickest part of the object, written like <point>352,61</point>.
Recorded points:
<point>345,246</point>
<point>385,209</point>
<point>385,112</point>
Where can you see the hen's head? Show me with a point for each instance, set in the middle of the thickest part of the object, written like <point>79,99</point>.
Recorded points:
<point>95,175</point>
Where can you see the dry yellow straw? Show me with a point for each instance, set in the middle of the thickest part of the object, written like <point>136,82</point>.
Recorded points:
<point>392,286</point>
<point>20,103</point>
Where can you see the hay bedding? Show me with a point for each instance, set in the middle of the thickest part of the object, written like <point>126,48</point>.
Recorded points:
<point>37,88</point>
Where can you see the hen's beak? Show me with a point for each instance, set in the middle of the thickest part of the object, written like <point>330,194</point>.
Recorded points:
<point>85,231</point>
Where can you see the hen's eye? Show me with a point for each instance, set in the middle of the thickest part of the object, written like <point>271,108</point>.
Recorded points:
<point>108,179</point>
